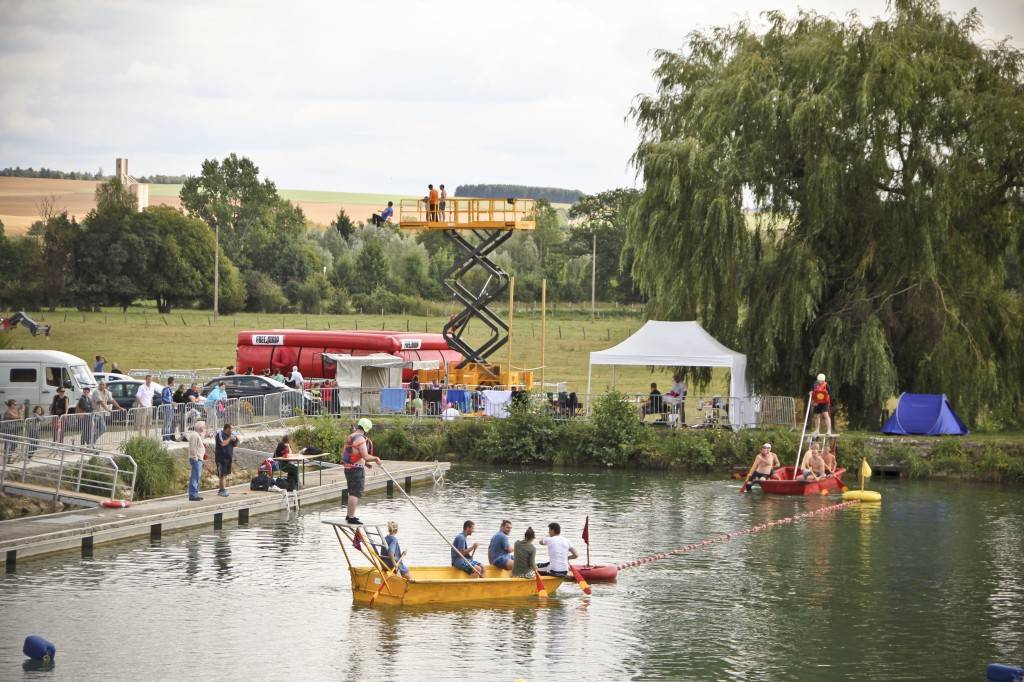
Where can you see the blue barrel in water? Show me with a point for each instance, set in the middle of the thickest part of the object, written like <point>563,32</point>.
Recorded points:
<point>39,649</point>
<point>997,672</point>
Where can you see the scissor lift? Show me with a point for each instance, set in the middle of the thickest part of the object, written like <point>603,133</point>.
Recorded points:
<point>477,227</point>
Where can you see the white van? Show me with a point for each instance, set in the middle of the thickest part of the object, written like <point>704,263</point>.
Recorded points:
<point>32,376</point>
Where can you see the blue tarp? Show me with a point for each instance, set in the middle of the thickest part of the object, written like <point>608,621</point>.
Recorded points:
<point>924,414</point>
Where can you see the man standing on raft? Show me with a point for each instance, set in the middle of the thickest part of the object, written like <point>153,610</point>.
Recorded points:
<point>356,457</point>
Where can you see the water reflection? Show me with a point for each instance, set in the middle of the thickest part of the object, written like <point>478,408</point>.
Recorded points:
<point>926,585</point>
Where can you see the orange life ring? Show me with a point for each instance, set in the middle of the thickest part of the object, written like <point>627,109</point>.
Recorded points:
<point>115,504</point>
<point>820,397</point>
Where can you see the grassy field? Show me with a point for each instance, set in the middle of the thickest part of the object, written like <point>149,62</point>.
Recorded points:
<point>20,198</point>
<point>189,339</point>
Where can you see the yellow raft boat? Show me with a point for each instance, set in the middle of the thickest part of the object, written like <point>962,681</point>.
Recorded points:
<point>378,584</point>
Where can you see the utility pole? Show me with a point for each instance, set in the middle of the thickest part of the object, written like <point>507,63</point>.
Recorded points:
<point>593,281</point>
<point>216,270</point>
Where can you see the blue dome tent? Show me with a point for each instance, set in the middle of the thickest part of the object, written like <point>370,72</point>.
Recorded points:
<point>924,414</point>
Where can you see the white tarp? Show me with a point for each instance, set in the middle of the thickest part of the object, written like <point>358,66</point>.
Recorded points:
<point>681,344</point>
<point>356,373</point>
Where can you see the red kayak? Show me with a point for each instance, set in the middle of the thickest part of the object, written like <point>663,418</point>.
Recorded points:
<point>782,483</point>
<point>598,574</point>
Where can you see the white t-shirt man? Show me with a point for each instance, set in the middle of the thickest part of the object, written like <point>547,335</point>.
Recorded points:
<point>296,378</point>
<point>144,396</point>
<point>558,552</point>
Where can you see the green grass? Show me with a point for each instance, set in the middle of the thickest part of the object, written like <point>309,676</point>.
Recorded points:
<point>188,339</point>
<point>360,198</point>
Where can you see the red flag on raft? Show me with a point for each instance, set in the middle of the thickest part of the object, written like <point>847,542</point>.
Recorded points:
<point>586,530</point>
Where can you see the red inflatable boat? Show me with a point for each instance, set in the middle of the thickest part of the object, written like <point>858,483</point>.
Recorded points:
<point>782,483</point>
<point>604,573</point>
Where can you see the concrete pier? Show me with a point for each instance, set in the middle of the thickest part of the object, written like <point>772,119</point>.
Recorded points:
<point>83,529</point>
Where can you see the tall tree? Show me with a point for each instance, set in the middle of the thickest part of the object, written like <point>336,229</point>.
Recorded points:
<point>605,215</point>
<point>109,256</point>
<point>886,164</point>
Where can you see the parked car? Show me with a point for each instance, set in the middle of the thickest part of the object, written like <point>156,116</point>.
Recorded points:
<point>244,386</point>
<point>112,376</point>
<point>124,390</point>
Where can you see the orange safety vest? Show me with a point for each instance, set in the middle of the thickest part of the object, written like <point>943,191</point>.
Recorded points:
<point>433,196</point>
<point>352,459</point>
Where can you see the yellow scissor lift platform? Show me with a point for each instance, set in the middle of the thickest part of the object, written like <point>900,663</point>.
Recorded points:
<point>476,227</point>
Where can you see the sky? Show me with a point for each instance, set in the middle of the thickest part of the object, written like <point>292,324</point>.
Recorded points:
<point>357,96</point>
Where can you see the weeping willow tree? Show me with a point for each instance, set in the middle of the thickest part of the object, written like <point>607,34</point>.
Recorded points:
<point>845,197</point>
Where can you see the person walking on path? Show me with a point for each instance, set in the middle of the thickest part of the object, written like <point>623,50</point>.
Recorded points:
<point>196,457</point>
<point>357,456</point>
<point>104,404</point>
<point>11,425</point>
<point>224,453</point>
<point>59,408</point>
<point>85,409</point>
<point>167,409</point>
<point>144,401</point>
<point>35,425</point>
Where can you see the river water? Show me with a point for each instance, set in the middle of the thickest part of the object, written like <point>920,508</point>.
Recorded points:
<point>928,586</point>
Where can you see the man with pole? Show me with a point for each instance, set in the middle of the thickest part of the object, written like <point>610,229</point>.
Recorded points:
<point>355,458</point>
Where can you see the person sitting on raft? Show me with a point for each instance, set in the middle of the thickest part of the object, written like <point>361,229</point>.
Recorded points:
<point>524,565</point>
<point>765,464</point>
<point>830,458</point>
<point>462,554</point>
<point>813,466</point>
<point>391,552</point>
<point>499,552</point>
<point>559,552</point>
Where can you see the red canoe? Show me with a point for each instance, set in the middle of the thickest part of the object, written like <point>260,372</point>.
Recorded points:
<point>598,574</point>
<point>782,483</point>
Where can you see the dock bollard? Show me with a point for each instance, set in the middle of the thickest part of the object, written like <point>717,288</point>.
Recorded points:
<point>39,649</point>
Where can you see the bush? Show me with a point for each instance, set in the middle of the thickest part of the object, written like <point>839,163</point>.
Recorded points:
<point>156,474</point>
<point>527,436</point>
<point>617,432</point>
<point>264,294</point>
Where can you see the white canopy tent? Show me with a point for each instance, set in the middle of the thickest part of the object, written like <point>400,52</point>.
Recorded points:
<point>681,344</point>
<point>356,373</point>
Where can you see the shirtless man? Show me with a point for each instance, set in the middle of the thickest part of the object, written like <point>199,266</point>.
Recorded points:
<point>830,458</point>
<point>813,466</point>
<point>765,462</point>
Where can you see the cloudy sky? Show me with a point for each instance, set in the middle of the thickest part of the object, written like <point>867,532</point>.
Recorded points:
<point>355,96</point>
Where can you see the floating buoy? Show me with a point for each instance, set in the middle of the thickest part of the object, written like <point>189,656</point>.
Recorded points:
<point>115,504</point>
<point>997,672</point>
<point>862,495</point>
<point>39,649</point>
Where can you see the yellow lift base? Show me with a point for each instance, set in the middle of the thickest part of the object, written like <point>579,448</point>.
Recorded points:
<point>462,213</point>
<point>473,374</point>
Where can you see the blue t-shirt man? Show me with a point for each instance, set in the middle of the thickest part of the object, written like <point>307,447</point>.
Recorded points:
<point>461,543</point>
<point>392,548</point>
<point>387,213</point>
<point>499,551</point>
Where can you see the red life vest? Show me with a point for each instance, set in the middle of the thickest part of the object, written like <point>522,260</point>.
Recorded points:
<point>352,459</point>
<point>820,396</point>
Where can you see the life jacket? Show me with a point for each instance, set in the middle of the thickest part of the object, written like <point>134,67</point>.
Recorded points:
<point>819,395</point>
<point>349,457</point>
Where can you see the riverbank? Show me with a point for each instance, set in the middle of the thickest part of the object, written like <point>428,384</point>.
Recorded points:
<point>532,439</point>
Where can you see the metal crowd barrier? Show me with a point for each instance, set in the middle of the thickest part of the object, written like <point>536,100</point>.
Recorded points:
<point>40,465</point>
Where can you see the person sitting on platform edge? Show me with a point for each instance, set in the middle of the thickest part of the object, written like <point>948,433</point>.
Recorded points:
<point>462,554</point>
<point>765,463</point>
<point>284,449</point>
<point>524,565</point>
<point>384,216</point>
<point>499,552</point>
<point>357,455</point>
<point>391,552</point>
<point>560,551</point>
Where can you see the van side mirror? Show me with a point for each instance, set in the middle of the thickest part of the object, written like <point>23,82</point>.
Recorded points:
<point>68,384</point>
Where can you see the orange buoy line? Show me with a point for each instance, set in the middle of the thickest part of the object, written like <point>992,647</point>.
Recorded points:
<point>725,537</point>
